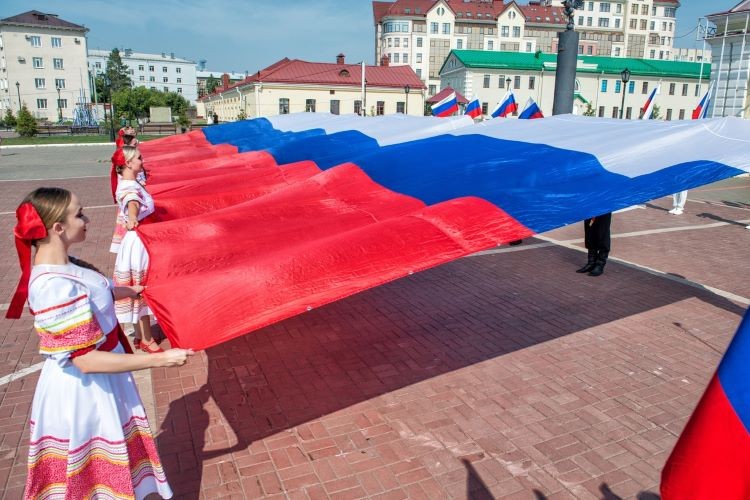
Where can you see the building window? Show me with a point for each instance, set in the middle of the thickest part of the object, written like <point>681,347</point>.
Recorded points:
<point>528,46</point>
<point>419,73</point>
<point>490,45</point>
<point>59,83</point>
<point>57,63</point>
<point>618,85</point>
<point>601,112</point>
<point>516,82</point>
<point>150,68</point>
<point>41,103</point>
<point>142,78</point>
<point>400,105</point>
<point>653,26</point>
<point>178,70</point>
<point>357,107</point>
<point>603,22</point>
<point>697,89</point>
<point>617,51</point>
<point>310,105</point>
<point>395,57</point>
<point>591,6</point>
<point>459,44</point>
<point>39,83</point>
<point>644,88</point>
<point>589,21</point>
<point>396,42</point>
<point>532,81</point>
<point>284,106</point>
<point>643,24</point>
<point>153,88</point>
<point>166,89</point>
<point>37,62</point>
<point>179,90</point>
<point>406,43</point>
<point>669,114</point>
<point>653,53</point>
<point>619,9</point>
<point>335,106</point>
<point>580,20</point>
<point>140,67</point>
<point>682,114</point>
<point>617,22</point>
<point>380,108</point>
<point>615,112</point>
<point>485,108</point>
<point>604,7</point>
<point>419,57</point>
<point>590,50</point>
<point>36,41</point>
<point>604,86</point>
<point>631,87</point>
<point>486,82</point>
<point>98,65</point>
<point>56,42</point>
<point>62,103</point>
<point>446,29</point>
<point>390,42</point>
<point>151,78</point>
<point>501,82</point>
<point>516,32</point>
<point>165,79</point>
<point>164,69</point>
<point>672,88</point>
<point>434,28</point>
<point>505,31</point>
<point>419,41</point>
<point>179,80</point>
<point>684,89</point>
<point>634,22</point>
<point>431,90</point>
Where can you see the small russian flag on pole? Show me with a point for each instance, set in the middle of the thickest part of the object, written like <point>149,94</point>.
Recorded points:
<point>701,111</point>
<point>474,109</point>
<point>648,108</point>
<point>531,111</point>
<point>446,107</point>
<point>506,107</point>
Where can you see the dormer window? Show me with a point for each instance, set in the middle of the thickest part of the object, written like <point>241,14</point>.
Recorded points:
<point>344,73</point>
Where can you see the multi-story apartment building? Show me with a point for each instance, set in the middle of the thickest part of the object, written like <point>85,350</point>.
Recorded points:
<point>489,75</point>
<point>729,38</point>
<point>156,71</point>
<point>202,77</point>
<point>421,33</point>
<point>43,65</point>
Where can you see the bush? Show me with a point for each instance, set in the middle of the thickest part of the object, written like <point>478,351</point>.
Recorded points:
<point>26,124</point>
<point>9,120</point>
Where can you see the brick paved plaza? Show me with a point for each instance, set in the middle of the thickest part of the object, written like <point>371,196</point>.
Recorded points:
<point>500,375</point>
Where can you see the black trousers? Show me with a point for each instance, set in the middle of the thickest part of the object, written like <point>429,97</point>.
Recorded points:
<point>596,232</point>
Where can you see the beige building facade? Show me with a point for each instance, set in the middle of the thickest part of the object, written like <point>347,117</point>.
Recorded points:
<point>291,86</point>
<point>43,65</point>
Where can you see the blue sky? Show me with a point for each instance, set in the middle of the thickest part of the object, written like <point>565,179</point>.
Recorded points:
<point>248,35</point>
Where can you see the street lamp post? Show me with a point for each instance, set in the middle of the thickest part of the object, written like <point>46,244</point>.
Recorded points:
<point>111,110</point>
<point>59,108</point>
<point>18,90</point>
<point>507,83</point>
<point>625,77</point>
<point>407,89</point>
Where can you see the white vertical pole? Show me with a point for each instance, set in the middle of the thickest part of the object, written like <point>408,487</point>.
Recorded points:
<point>363,111</point>
<point>718,72</point>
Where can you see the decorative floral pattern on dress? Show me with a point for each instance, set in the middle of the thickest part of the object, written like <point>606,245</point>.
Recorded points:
<point>67,327</point>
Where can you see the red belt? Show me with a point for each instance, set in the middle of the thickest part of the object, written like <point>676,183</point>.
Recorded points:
<point>113,338</point>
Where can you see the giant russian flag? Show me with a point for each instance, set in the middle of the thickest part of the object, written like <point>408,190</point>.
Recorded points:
<point>263,219</point>
<point>648,107</point>
<point>701,110</point>
<point>446,106</point>
<point>506,107</point>
<point>712,457</point>
<point>531,111</point>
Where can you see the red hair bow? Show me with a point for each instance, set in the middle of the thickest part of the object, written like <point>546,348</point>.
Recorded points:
<point>30,227</point>
<point>118,160</point>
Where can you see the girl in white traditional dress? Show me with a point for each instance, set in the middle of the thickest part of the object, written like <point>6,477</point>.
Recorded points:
<point>126,137</point>
<point>134,205</point>
<point>89,434</point>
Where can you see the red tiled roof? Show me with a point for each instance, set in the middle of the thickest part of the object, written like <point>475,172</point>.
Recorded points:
<point>298,71</point>
<point>444,93</point>
<point>540,14</point>
<point>419,8</point>
<point>36,18</point>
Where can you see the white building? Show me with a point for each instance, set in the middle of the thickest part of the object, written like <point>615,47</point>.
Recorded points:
<point>292,86</point>
<point>421,33</point>
<point>202,76</point>
<point>163,72</point>
<point>730,50</point>
<point>42,64</point>
<point>488,76</point>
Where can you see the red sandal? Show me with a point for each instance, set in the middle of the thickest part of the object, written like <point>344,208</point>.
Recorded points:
<point>150,348</point>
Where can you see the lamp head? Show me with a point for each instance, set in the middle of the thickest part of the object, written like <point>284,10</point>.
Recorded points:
<point>625,75</point>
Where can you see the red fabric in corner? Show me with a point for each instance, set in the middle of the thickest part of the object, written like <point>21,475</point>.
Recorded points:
<point>712,457</point>
<point>319,238</point>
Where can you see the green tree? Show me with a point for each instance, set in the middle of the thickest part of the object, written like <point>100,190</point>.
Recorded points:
<point>242,115</point>
<point>589,110</point>
<point>117,74</point>
<point>9,119</point>
<point>211,84</point>
<point>656,113</point>
<point>26,124</point>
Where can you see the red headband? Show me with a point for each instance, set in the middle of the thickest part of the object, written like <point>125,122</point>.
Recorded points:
<point>118,160</point>
<point>30,227</point>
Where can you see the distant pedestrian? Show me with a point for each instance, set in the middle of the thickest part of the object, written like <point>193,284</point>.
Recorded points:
<point>678,202</point>
<point>597,240</point>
